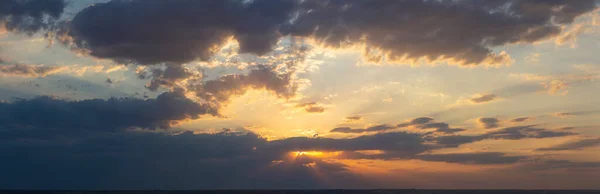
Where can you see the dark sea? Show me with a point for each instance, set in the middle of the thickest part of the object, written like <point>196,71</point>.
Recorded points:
<point>399,191</point>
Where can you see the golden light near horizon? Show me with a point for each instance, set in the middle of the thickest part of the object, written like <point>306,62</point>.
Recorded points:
<point>309,153</point>
<point>315,154</point>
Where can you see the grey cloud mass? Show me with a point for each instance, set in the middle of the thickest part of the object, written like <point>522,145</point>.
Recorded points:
<point>419,122</point>
<point>98,114</point>
<point>88,139</point>
<point>462,31</point>
<point>573,145</point>
<point>219,91</point>
<point>508,133</point>
<point>472,158</point>
<point>150,32</point>
<point>29,16</point>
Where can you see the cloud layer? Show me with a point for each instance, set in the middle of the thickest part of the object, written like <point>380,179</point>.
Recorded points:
<point>460,32</point>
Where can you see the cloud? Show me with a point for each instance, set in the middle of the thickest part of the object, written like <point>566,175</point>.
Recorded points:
<point>419,122</point>
<point>560,164</point>
<point>311,107</point>
<point>29,16</point>
<point>220,90</point>
<point>143,160</point>
<point>522,119</point>
<point>388,31</point>
<point>416,121</point>
<point>472,158</point>
<point>533,58</point>
<point>508,133</point>
<point>573,145</point>
<point>397,30</point>
<point>488,123</point>
<point>406,144</point>
<point>556,86</point>
<point>208,25</point>
<point>483,98</point>
<point>564,114</point>
<point>521,132</point>
<point>353,119</point>
<point>346,130</point>
<point>26,70</point>
<point>112,114</point>
<point>168,76</point>
<point>560,84</point>
<point>570,37</point>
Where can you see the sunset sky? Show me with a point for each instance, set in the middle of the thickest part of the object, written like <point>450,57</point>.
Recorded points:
<point>270,94</point>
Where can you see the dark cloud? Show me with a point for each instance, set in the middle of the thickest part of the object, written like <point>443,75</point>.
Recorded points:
<point>375,128</point>
<point>346,130</point>
<point>352,119</point>
<point>147,31</point>
<point>407,143</point>
<point>545,165</point>
<point>382,127</point>
<point>434,125</point>
<point>521,119</point>
<point>483,98</point>
<point>67,140</point>
<point>416,121</point>
<point>508,133</point>
<point>527,131</point>
<point>573,145</point>
<point>488,122</point>
<point>219,91</point>
<point>109,81</point>
<point>311,107</point>
<point>111,114</point>
<point>472,158</point>
<point>25,70</point>
<point>156,31</point>
<point>461,30</point>
<point>142,160</point>
<point>29,16</point>
<point>164,76</point>
<point>420,122</point>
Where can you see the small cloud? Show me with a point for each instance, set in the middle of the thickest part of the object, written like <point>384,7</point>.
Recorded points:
<point>488,122</point>
<point>483,98</point>
<point>564,114</point>
<point>533,58</point>
<point>556,86</point>
<point>346,130</point>
<point>522,119</point>
<point>109,81</point>
<point>416,121</point>
<point>353,119</point>
<point>311,107</point>
<point>529,76</point>
<point>570,37</point>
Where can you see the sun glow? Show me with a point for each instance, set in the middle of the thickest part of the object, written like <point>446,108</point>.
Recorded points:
<point>309,153</point>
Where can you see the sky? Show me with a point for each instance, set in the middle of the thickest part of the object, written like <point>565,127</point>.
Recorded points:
<point>311,94</point>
